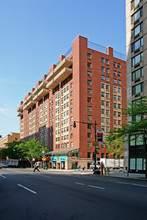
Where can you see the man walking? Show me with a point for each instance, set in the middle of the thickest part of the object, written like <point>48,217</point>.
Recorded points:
<point>36,166</point>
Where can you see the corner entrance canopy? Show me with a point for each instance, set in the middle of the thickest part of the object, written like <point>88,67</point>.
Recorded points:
<point>62,152</point>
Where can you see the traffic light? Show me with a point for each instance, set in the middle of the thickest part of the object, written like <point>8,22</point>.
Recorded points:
<point>100,137</point>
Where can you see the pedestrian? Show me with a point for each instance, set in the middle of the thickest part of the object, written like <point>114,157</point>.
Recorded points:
<point>102,166</point>
<point>83,167</point>
<point>36,167</point>
<point>79,168</point>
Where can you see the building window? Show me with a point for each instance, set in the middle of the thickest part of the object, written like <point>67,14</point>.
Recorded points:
<point>71,144</point>
<point>137,30</point>
<point>89,73</point>
<point>119,106</point>
<point>89,82</point>
<point>88,64</point>
<point>102,77</point>
<point>114,89</point>
<point>89,117</point>
<point>137,15</point>
<point>102,155</point>
<point>71,110</point>
<point>102,128</point>
<point>89,56</point>
<point>102,94</point>
<point>89,144</point>
<point>107,112</point>
<point>136,45</point>
<point>102,102</point>
<point>107,155</point>
<point>89,91</point>
<point>114,113</point>
<point>114,81</point>
<point>107,61</point>
<point>89,108</point>
<point>114,64</point>
<point>71,102</point>
<point>107,87</point>
<point>102,119</point>
<point>114,97</point>
<point>107,103</point>
<point>107,70</point>
<point>71,85</point>
<point>107,78</point>
<point>102,85</point>
<point>89,135</point>
<point>119,90</point>
<point>137,74</point>
<point>89,99</point>
<point>102,60</point>
<point>102,69</point>
<point>107,120</point>
<point>71,135</point>
<point>119,65</point>
<point>107,95</point>
<point>102,111</point>
<point>119,114</point>
<point>135,3</point>
<point>119,98</point>
<point>88,154</point>
<point>118,73</point>
<point>89,126</point>
<point>119,82</point>
<point>137,88</point>
<point>71,119</point>
<point>114,72</point>
<point>114,105</point>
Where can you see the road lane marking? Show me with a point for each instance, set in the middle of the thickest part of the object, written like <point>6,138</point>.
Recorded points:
<point>97,187</point>
<point>82,184</point>
<point>123,183</point>
<point>134,184</point>
<point>27,188</point>
<point>3,176</point>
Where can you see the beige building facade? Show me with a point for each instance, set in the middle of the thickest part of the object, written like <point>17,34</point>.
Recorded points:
<point>8,139</point>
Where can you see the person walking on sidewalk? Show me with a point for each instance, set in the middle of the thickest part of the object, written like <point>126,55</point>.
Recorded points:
<point>36,166</point>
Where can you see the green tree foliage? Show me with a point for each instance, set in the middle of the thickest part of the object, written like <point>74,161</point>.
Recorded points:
<point>116,146</point>
<point>31,149</point>
<point>137,123</point>
<point>11,151</point>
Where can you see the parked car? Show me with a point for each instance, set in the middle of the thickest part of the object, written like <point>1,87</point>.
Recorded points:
<point>114,169</point>
<point>0,165</point>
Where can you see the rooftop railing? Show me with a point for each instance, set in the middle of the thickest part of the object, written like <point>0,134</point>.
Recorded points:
<point>103,49</point>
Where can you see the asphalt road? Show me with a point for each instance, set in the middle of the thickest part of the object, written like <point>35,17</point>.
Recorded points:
<point>26,195</point>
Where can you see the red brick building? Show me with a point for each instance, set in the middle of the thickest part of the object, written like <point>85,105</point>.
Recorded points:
<point>88,84</point>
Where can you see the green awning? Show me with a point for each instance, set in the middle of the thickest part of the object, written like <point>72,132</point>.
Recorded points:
<point>62,152</point>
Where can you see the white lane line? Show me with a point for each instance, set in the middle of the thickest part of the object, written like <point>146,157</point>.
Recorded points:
<point>82,184</point>
<point>3,176</point>
<point>123,183</point>
<point>97,187</point>
<point>27,188</point>
<point>134,184</point>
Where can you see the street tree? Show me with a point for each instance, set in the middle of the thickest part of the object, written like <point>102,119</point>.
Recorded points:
<point>137,124</point>
<point>32,149</point>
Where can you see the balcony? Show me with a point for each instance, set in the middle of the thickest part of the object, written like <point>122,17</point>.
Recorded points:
<point>39,88</point>
<point>63,74</point>
<point>40,94</point>
<point>65,63</point>
<point>20,109</point>
<point>28,99</point>
<point>20,114</point>
<point>29,105</point>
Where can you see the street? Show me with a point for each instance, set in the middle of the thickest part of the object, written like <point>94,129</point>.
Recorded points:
<point>27,195</point>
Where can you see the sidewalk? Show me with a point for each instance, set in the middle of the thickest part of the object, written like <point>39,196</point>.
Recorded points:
<point>90,172</point>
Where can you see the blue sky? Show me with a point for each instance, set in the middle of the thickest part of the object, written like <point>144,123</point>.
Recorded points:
<point>34,33</point>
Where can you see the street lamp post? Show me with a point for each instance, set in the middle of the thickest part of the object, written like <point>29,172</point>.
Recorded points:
<point>95,152</point>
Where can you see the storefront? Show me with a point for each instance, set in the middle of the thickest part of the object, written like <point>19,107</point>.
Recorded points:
<point>63,159</point>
